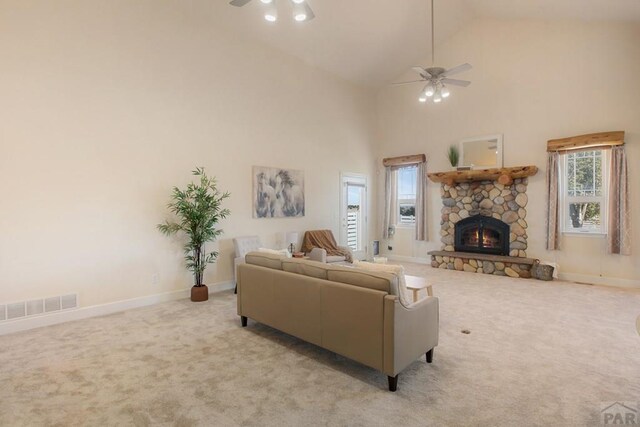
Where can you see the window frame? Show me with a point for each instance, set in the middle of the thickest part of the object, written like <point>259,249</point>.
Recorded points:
<point>400,201</point>
<point>565,200</point>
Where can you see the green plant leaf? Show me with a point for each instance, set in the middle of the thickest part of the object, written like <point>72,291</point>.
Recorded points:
<point>197,210</point>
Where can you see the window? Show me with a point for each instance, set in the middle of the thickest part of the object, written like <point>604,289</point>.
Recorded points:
<point>584,191</point>
<point>407,177</point>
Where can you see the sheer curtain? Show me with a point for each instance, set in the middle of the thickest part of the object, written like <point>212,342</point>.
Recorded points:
<point>390,200</point>
<point>553,217</point>
<point>421,203</point>
<point>619,234</point>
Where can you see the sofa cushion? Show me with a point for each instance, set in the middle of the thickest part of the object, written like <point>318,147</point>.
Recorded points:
<point>264,259</point>
<point>305,267</point>
<point>400,290</point>
<point>378,280</point>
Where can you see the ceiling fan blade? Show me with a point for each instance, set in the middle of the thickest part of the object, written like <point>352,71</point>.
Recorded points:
<point>454,82</point>
<point>424,73</point>
<point>458,69</point>
<point>407,83</point>
<point>239,3</point>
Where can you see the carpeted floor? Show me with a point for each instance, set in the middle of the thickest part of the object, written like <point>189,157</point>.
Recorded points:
<point>539,354</point>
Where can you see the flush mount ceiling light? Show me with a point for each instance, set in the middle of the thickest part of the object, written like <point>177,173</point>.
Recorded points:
<point>301,10</point>
<point>437,77</point>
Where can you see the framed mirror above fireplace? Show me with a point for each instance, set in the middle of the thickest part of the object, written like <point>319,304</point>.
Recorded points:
<point>482,152</point>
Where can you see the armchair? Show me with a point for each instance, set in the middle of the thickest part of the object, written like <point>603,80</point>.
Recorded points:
<point>243,245</point>
<point>321,246</point>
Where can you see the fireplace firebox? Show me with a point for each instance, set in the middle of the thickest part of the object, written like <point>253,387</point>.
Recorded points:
<point>482,234</point>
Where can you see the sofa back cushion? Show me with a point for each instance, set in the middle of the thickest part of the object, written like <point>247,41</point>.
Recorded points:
<point>306,267</point>
<point>377,280</point>
<point>264,259</point>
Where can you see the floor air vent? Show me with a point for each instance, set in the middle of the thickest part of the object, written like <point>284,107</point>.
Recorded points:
<point>37,307</point>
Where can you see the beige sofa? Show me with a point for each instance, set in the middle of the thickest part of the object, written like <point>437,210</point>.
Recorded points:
<point>352,312</point>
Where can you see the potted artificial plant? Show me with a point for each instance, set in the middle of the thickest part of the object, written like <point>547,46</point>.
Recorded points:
<point>198,209</point>
<point>454,156</point>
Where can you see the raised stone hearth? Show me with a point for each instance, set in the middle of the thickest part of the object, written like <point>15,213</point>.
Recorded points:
<point>480,263</point>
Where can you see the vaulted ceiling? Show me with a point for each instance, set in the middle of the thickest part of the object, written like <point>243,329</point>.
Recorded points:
<point>370,42</point>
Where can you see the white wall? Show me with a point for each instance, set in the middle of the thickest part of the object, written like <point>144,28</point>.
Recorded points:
<point>532,81</point>
<point>105,106</point>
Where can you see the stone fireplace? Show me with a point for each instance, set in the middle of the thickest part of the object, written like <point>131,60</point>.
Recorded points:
<point>484,227</point>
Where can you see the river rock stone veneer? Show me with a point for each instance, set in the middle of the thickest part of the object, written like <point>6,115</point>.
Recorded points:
<point>489,198</point>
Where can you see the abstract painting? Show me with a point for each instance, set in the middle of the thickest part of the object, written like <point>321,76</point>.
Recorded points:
<point>277,193</point>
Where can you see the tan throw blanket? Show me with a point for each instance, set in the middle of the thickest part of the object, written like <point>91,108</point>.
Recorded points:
<point>323,239</point>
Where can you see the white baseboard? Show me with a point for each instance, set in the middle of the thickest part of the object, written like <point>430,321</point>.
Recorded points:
<point>598,280</point>
<point>26,323</point>
<point>415,260</point>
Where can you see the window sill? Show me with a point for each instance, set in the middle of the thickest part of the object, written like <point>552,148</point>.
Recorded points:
<point>406,225</point>
<point>592,234</point>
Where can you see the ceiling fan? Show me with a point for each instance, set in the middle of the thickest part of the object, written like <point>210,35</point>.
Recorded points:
<point>437,77</point>
<point>301,9</point>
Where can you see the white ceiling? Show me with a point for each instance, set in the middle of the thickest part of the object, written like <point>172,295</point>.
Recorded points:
<point>372,41</point>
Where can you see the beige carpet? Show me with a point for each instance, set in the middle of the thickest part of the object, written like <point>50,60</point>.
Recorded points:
<point>538,354</point>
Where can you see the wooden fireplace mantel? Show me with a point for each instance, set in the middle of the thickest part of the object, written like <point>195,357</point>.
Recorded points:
<point>504,176</point>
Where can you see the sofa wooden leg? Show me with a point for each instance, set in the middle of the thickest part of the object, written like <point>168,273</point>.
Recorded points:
<point>235,291</point>
<point>393,383</point>
<point>243,319</point>
<point>430,356</point>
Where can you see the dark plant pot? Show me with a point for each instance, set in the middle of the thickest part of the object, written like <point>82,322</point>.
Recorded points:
<point>199,293</point>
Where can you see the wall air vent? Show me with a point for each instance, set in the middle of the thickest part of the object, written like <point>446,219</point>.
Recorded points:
<point>37,307</point>
<point>69,301</point>
<point>16,310</point>
<point>52,304</point>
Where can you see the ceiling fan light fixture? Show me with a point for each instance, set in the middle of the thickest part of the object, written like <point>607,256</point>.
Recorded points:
<point>271,14</point>
<point>429,89</point>
<point>299,12</point>
<point>437,97</point>
<point>302,12</point>
<point>422,98</point>
<point>445,91</point>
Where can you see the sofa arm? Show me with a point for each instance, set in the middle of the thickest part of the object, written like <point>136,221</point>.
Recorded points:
<point>409,333</point>
<point>318,254</point>
<point>347,249</point>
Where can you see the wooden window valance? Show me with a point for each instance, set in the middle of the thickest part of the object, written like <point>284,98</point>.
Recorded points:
<point>585,142</point>
<point>404,160</point>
